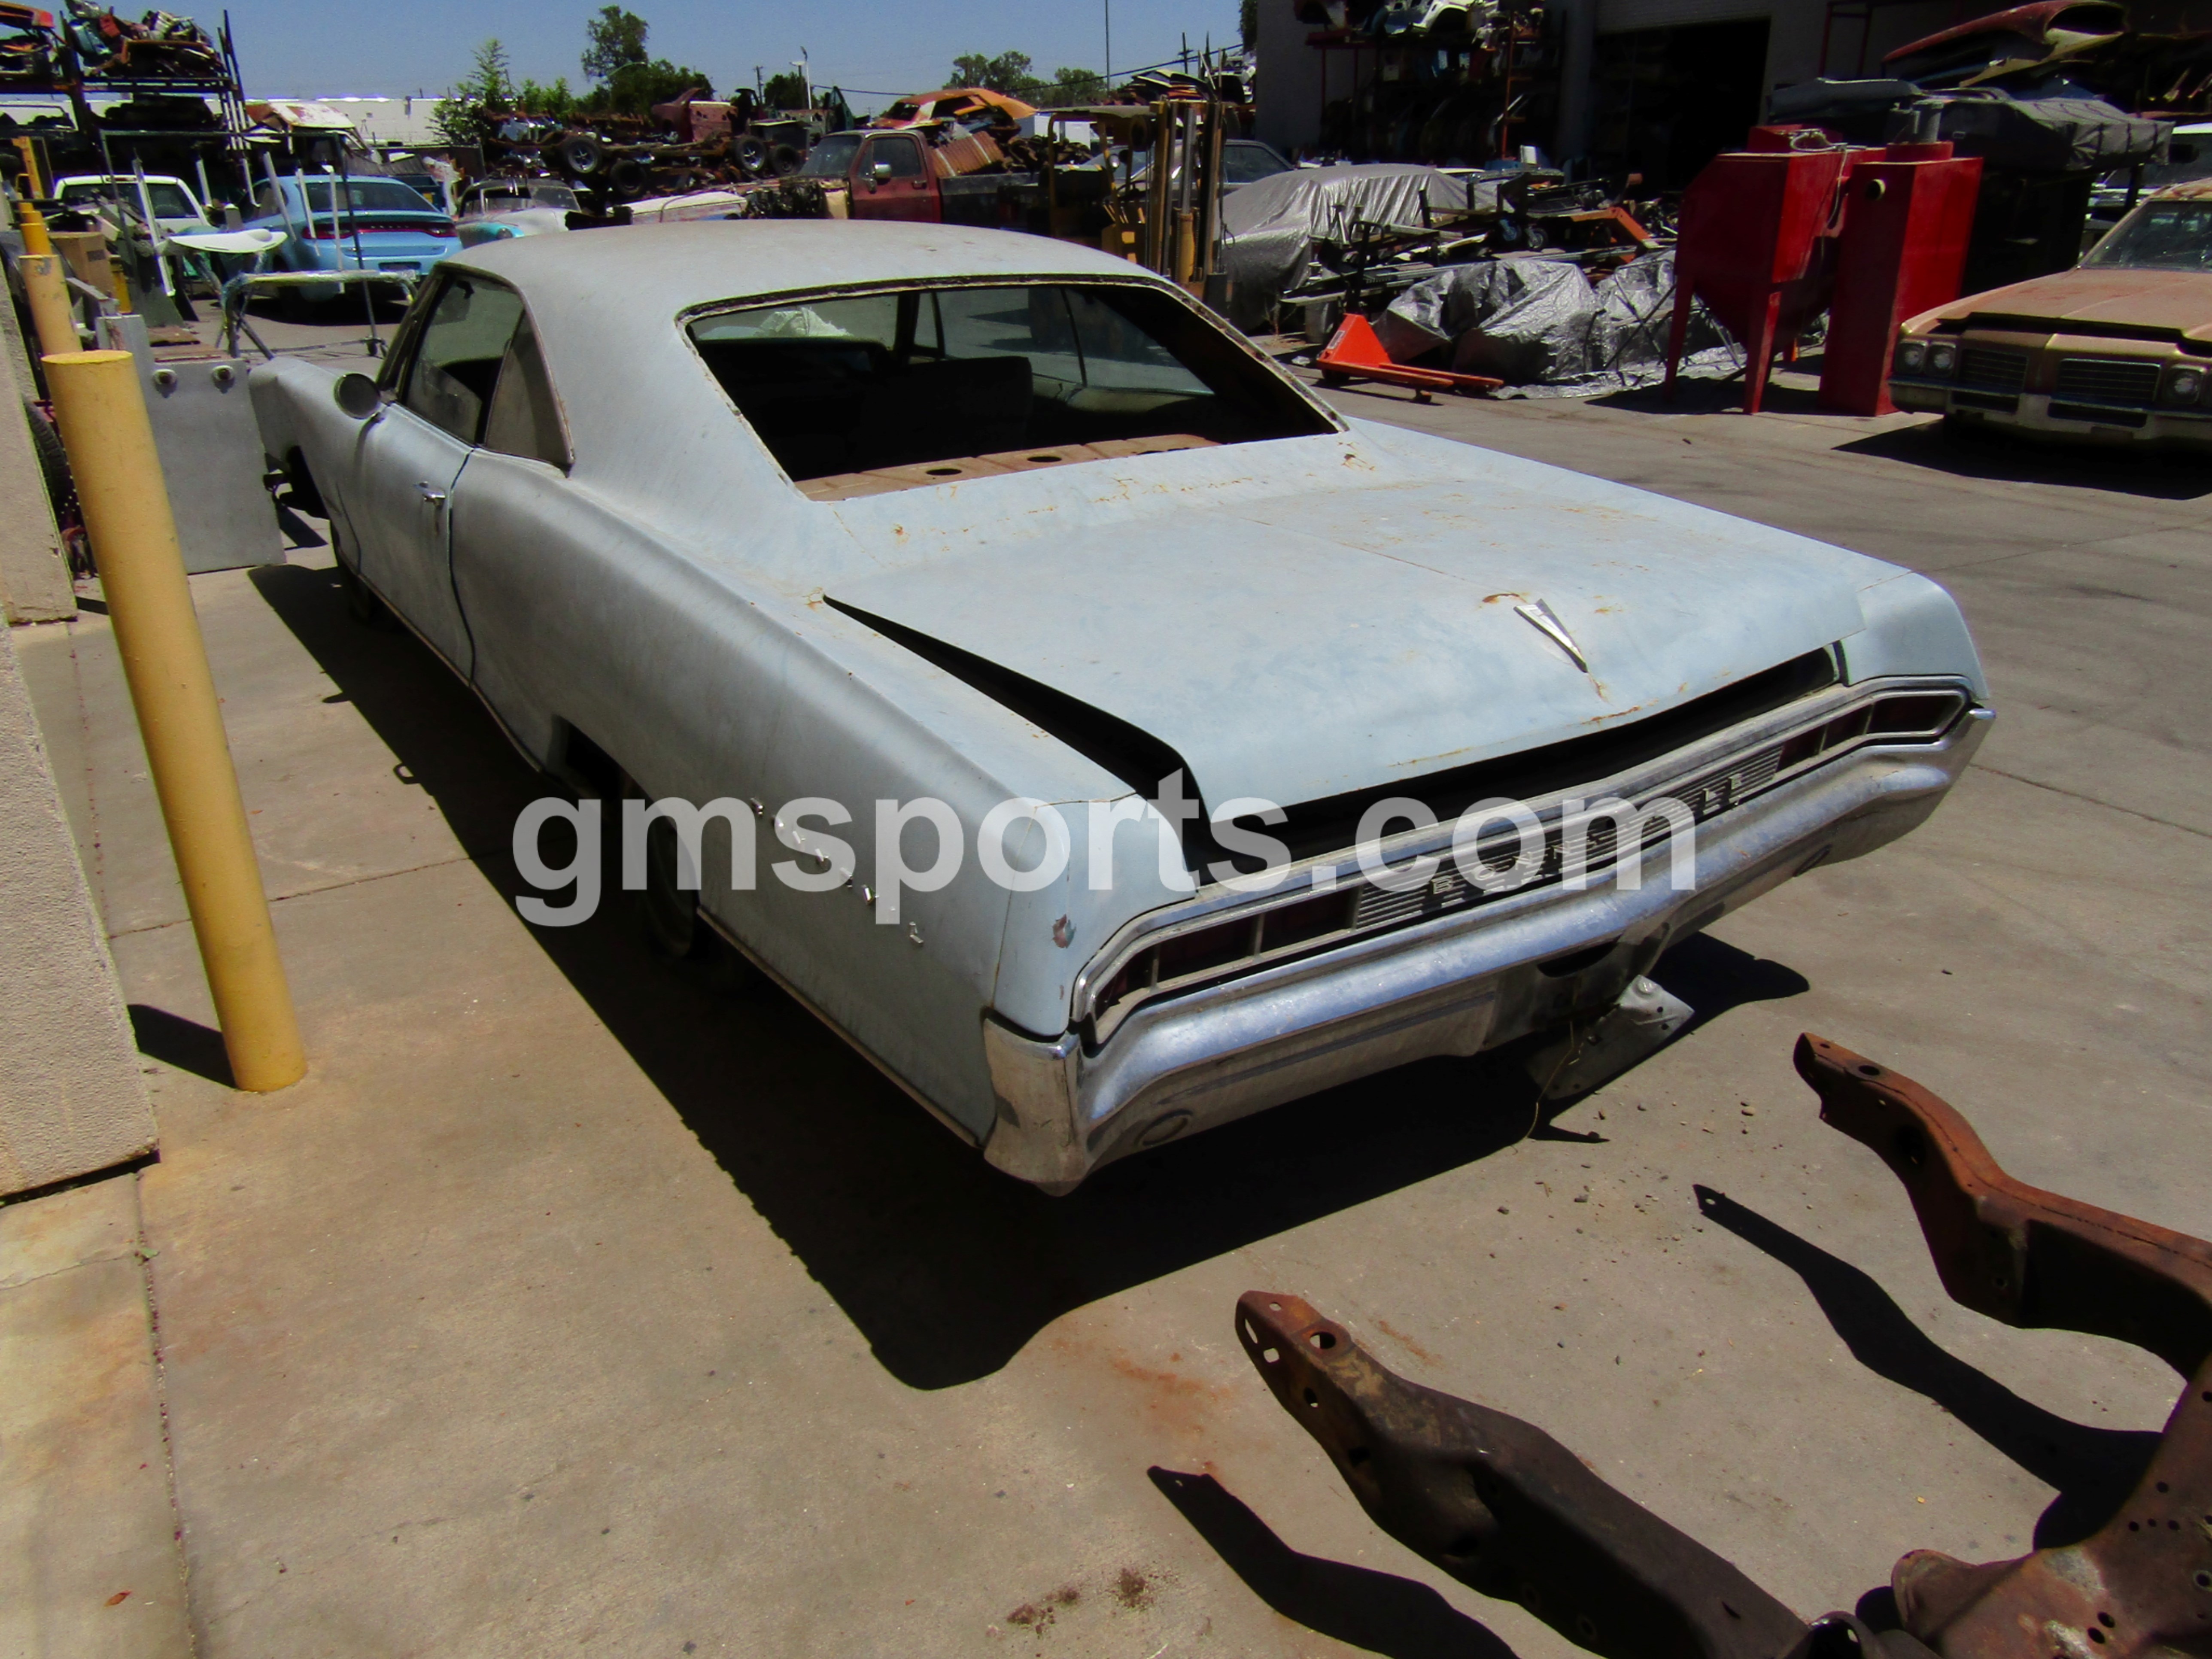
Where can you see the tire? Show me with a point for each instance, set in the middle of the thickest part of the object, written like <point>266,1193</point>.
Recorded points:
<point>784,160</point>
<point>670,912</point>
<point>582,154</point>
<point>361,601</point>
<point>626,179</point>
<point>750,152</point>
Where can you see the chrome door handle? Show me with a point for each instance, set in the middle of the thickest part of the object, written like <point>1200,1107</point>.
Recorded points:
<point>433,496</point>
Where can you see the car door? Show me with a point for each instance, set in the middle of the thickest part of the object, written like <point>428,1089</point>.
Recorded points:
<point>901,190</point>
<point>409,459</point>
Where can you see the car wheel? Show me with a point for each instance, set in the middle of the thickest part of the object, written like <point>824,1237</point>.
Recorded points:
<point>361,601</point>
<point>674,931</point>
<point>670,912</point>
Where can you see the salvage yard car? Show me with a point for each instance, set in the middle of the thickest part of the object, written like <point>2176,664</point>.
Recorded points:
<point>353,224</point>
<point>2118,350</point>
<point>813,521</point>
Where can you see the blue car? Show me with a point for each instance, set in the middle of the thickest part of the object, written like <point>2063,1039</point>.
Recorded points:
<point>353,224</point>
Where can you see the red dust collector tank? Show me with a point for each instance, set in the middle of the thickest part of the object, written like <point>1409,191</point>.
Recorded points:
<point>1908,215</point>
<point>1757,230</point>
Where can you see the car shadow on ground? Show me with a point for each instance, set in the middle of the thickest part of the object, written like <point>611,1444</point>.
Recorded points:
<point>1375,1611</point>
<point>945,1266</point>
<point>2093,1469</point>
<point>2162,475</point>
<point>1712,394</point>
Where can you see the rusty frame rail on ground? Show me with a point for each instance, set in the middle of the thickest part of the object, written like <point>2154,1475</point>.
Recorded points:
<point>1508,1510</point>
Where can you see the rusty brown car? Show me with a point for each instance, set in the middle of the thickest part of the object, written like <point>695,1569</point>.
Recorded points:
<point>2116,350</point>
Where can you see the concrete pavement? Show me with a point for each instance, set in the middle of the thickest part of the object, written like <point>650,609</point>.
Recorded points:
<point>575,1301</point>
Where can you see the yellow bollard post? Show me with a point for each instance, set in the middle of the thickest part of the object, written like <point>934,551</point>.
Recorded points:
<point>33,224</point>
<point>47,292</point>
<point>102,415</point>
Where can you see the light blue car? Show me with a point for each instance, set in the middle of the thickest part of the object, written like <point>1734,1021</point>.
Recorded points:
<point>353,224</point>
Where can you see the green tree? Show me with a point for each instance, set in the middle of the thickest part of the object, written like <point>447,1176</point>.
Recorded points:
<point>629,83</point>
<point>1247,23</point>
<point>488,86</point>
<point>1009,72</point>
<point>615,39</point>
<point>1013,74</point>
<point>556,100</point>
<point>1075,85</point>
<point>785,91</point>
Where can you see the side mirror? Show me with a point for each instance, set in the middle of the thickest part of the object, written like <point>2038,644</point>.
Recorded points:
<point>357,395</point>
<point>881,173</point>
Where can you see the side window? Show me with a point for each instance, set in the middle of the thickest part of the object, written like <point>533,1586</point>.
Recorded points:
<point>457,359</point>
<point>902,155</point>
<point>525,418</point>
<point>265,203</point>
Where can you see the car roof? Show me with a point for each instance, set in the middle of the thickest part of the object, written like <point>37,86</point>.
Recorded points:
<point>661,270</point>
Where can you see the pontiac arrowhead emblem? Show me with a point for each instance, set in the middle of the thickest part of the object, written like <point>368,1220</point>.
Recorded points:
<point>1539,616</point>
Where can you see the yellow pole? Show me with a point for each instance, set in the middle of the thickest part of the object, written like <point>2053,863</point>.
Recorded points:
<point>102,416</point>
<point>33,224</point>
<point>48,294</point>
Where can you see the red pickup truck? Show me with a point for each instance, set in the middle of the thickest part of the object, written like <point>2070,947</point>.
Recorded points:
<point>893,174</point>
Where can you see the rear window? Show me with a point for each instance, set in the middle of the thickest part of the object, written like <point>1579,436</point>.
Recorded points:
<point>169,200</point>
<point>372,195</point>
<point>1246,164</point>
<point>855,393</point>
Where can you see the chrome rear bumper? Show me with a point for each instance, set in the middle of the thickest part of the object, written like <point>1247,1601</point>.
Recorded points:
<point>1455,985</point>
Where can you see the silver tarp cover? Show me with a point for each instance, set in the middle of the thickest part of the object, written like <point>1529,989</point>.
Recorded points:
<point>1537,322</point>
<point>1269,229</point>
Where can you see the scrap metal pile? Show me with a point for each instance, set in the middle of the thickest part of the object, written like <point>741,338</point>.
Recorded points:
<point>1518,278</point>
<point>689,144</point>
<point>43,53</point>
<point>1469,76</point>
<point>1505,1509</point>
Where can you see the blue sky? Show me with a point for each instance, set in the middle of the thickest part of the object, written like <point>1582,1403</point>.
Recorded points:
<point>301,48</point>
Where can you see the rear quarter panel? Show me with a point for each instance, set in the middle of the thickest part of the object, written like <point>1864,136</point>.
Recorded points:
<point>700,691</point>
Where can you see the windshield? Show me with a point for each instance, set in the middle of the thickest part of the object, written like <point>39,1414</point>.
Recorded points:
<point>864,392</point>
<point>2160,236</point>
<point>373,195</point>
<point>169,200</point>
<point>832,157</point>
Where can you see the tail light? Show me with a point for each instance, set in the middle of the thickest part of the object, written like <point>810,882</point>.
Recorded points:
<point>1924,715</point>
<point>1204,950</point>
<point>323,231</point>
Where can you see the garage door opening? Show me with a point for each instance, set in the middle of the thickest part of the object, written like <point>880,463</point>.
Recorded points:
<point>1670,99</point>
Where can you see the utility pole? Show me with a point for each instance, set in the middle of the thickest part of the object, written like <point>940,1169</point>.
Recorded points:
<point>1110,46</point>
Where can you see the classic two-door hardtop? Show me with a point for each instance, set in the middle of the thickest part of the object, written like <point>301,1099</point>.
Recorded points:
<point>812,516</point>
